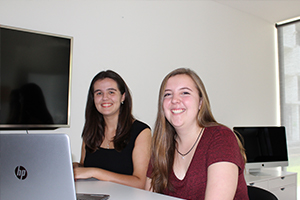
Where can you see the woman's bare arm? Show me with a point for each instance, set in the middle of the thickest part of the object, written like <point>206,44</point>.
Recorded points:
<point>140,157</point>
<point>222,180</point>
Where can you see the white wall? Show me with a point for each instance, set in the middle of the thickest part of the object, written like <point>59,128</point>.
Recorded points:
<point>233,52</point>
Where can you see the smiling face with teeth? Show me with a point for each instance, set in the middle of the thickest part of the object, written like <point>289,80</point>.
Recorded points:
<point>107,97</point>
<point>181,102</point>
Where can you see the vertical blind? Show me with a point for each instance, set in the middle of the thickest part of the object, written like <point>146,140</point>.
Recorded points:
<point>289,79</point>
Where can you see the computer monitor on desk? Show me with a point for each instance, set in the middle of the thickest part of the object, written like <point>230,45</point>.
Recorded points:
<point>265,146</point>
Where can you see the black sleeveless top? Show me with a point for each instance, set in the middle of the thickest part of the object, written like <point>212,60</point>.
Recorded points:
<point>112,160</point>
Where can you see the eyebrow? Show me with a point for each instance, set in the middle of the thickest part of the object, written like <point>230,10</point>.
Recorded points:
<point>186,88</point>
<point>109,89</point>
<point>183,88</point>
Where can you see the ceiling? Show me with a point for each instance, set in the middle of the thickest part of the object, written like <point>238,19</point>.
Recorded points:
<point>273,11</point>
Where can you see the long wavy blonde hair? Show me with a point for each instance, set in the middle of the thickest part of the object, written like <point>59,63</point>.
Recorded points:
<point>163,142</point>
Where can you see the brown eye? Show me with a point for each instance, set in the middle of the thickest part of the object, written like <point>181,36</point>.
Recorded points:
<point>186,93</point>
<point>166,95</point>
<point>97,93</point>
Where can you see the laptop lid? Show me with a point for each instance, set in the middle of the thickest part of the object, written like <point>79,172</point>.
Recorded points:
<point>36,167</point>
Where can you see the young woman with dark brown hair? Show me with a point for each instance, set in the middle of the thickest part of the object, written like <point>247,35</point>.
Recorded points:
<point>116,146</point>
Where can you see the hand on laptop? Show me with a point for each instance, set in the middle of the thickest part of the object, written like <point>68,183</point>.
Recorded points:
<point>77,164</point>
<point>83,172</point>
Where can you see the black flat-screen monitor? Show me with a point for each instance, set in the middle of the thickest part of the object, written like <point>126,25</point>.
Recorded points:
<point>265,147</point>
<point>35,79</point>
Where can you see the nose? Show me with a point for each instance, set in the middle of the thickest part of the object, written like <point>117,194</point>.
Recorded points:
<point>176,98</point>
<point>105,95</point>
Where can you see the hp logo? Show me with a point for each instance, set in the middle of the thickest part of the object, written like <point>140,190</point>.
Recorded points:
<point>21,172</point>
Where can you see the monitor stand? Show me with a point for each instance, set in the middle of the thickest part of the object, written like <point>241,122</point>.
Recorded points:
<point>258,172</point>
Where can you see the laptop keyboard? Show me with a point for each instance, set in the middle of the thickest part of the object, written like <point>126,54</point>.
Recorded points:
<point>92,196</point>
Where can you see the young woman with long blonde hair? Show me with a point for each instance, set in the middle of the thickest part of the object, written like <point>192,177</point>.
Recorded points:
<point>193,156</point>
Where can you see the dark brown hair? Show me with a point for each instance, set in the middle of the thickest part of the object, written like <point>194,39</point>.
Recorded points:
<point>93,131</point>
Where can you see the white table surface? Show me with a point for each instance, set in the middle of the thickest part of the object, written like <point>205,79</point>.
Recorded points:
<point>117,191</point>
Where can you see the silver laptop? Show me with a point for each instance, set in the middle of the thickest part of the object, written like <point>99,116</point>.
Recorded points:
<point>37,167</point>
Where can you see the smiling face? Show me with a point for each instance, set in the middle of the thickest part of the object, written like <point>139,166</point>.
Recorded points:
<point>181,102</point>
<point>107,97</point>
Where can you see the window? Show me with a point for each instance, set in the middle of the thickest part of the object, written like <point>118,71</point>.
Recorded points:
<point>289,78</point>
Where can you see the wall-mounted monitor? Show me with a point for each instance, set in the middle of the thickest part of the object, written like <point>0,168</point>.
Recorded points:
<point>265,147</point>
<point>35,79</point>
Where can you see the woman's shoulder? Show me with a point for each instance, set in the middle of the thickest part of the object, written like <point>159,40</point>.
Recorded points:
<point>137,124</point>
<point>138,127</point>
<point>220,131</point>
<point>219,128</point>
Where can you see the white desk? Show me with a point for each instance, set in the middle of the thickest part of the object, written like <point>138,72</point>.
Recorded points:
<point>117,191</point>
<point>283,184</point>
